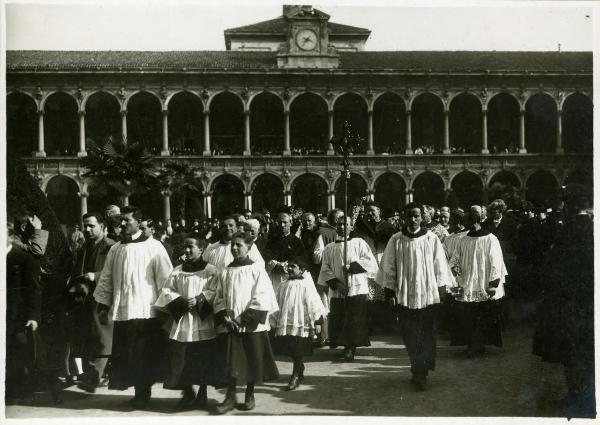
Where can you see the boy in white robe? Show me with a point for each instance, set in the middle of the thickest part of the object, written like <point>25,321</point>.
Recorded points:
<point>348,289</point>
<point>299,317</point>
<point>415,274</point>
<point>243,300</point>
<point>480,272</point>
<point>190,327</point>
<point>134,272</point>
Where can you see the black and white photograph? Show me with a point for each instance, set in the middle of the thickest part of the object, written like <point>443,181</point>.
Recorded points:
<point>345,209</point>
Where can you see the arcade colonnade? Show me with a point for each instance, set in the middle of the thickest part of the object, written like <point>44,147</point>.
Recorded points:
<point>59,123</point>
<point>223,193</point>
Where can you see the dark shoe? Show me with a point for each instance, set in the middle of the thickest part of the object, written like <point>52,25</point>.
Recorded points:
<point>349,355</point>
<point>87,387</point>
<point>294,383</point>
<point>139,403</point>
<point>248,403</point>
<point>420,384</point>
<point>141,399</point>
<point>55,388</point>
<point>187,401</point>
<point>69,381</point>
<point>201,398</point>
<point>227,405</point>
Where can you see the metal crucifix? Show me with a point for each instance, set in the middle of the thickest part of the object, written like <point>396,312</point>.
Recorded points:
<point>345,147</point>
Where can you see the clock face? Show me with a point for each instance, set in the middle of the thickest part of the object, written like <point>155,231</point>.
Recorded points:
<point>306,39</point>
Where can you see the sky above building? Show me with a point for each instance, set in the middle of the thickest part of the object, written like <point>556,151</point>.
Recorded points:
<point>178,25</point>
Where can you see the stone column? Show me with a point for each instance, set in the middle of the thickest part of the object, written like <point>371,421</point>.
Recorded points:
<point>248,200</point>
<point>165,141</point>
<point>82,151</point>
<point>83,208</point>
<point>207,204</point>
<point>330,150</point>
<point>286,134</point>
<point>287,198</point>
<point>446,132</point>
<point>330,200</point>
<point>522,148</point>
<point>559,146</point>
<point>370,195</point>
<point>166,195</point>
<point>125,200</point>
<point>247,151</point>
<point>407,196</point>
<point>124,126</point>
<point>206,151</point>
<point>370,151</point>
<point>40,151</point>
<point>408,150</point>
<point>484,133</point>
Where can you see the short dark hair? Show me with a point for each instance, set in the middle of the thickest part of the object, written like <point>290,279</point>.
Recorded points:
<point>414,206</point>
<point>245,236</point>
<point>299,261</point>
<point>200,241</point>
<point>99,217</point>
<point>135,212</point>
<point>227,217</point>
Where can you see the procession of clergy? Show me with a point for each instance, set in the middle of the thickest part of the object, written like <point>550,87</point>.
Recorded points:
<point>229,312</point>
<point>227,308</point>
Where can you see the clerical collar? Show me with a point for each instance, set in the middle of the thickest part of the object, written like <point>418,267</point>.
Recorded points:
<point>136,237</point>
<point>340,240</point>
<point>478,233</point>
<point>194,265</point>
<point>239,263</point>
<point>422,231</point>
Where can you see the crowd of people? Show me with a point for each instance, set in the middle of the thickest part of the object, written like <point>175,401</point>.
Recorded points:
<point>213,302</point>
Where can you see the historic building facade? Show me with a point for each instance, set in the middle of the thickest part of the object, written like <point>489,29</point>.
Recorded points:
<point>257,118</point>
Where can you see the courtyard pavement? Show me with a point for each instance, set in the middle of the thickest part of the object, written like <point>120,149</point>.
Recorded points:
<point>503,382</point>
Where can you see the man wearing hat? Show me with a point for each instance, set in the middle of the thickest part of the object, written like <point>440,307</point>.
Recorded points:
<point>565,330</point>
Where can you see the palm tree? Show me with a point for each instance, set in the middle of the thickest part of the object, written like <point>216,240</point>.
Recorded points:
<point>126,167</point>
<point>180,179</point>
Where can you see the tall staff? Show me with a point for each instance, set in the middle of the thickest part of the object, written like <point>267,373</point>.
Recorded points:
<point>344,147</point>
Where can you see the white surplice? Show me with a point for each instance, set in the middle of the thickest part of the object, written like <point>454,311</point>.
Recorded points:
<point>132,277</point>
<point>219,255</point>
<point>414,268</point>
<point>238,288</point>
<point>332,266</point>
<point>451,242</point>
<point>190,327</point>
<point>299,307</point>
<point>479,260</point>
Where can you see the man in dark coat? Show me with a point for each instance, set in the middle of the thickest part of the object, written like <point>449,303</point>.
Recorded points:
<point>90,339</point>
<point>565,331</point>
<point>376,232</point>
<point>282,246</point>
<point>23,315</point>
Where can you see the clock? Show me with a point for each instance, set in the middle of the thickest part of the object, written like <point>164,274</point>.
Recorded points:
<point>306,39</point>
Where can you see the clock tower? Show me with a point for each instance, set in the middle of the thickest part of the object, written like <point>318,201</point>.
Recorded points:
<point>307,40</point>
